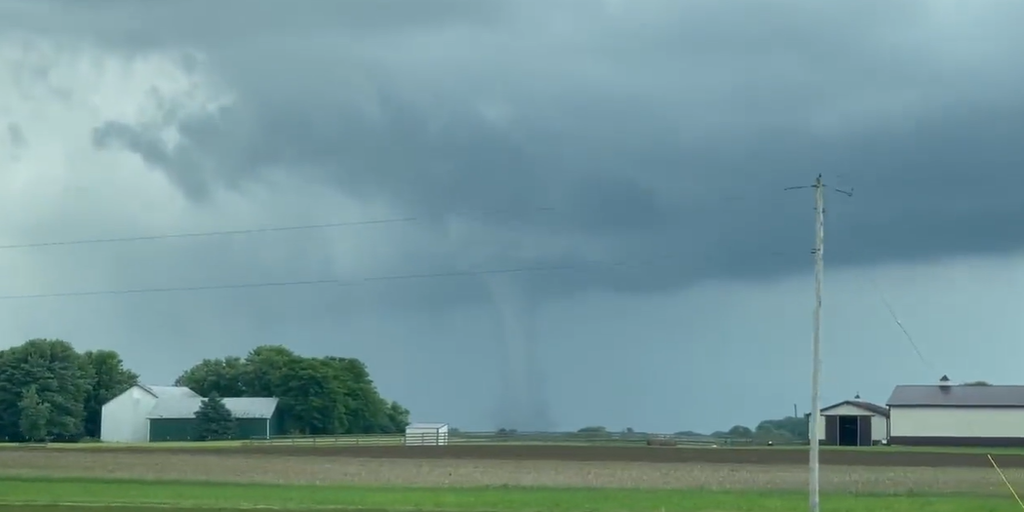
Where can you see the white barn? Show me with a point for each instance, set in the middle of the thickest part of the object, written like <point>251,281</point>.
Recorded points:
<point>945,414</point>
<point>852,423</point>
<point>426,434</point>
<point>124,419</point>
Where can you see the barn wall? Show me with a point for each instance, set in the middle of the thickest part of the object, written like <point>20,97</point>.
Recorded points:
<point>184,429</point>
<point>251,428</point>
<point>171,429</point>
<point>957,426</point>
<point>123,419</point>
<point>879,423</point>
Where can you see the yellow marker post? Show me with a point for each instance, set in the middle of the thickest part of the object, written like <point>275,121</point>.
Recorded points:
<point>1005,481</point>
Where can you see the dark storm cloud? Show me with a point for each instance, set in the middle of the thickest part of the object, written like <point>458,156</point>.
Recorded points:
<point>660,131</point>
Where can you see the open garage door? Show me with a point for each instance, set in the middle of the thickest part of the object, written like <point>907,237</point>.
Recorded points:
<point>864,430</point>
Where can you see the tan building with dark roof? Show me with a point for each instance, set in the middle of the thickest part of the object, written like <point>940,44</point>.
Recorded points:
<point>946,414</point>
<point>852,423</point>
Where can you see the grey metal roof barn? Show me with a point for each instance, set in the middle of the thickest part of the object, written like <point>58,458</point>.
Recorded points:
<point>186,407</point>
<point>167,413</point>
<point>171,392</point>
<point>938,395</point>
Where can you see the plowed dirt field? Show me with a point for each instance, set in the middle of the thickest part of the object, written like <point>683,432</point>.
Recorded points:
<point>534,466</point>
<point>873,457</point>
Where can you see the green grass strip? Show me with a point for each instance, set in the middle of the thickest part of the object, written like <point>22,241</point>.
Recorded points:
<point>18,492</point>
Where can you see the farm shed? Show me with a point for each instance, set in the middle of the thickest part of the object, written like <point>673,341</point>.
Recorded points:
<point>174,420</point>
<point>852,423</point>
<point>124,418</point>
<point>945,414</point>
<point>426,434</point>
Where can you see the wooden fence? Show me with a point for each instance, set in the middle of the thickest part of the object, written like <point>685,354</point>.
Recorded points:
<point>492,438</point>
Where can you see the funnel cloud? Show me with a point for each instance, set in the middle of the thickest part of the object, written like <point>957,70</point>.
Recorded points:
<point>522,403</point>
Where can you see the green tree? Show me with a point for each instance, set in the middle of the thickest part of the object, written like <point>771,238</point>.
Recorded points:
<point>740,432</point>
<point>226,377</point>
<point>788,428</point>
<point>313,397</point>
<point>35,416</point>
<point>62,379</point>
<point>367,412</point>
<point>398,418</point>
<point>317,395</point>
<point>214,421</point>
<point>109,378</point>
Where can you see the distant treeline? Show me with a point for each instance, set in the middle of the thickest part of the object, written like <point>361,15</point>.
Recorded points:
<point>788,429</point>
<point>779,430</point>
<point>48,390</point>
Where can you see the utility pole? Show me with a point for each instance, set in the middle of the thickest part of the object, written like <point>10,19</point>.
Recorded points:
<point>819,271</point>
<point>819,268</point>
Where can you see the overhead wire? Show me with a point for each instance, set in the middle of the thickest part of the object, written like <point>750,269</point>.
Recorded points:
<point>906,334</point>
<point>328,281</point>
<point>201,234</point>
<point>271,229</point>
<point>888,306</point>
<point>292,283</point>
<point>588,265</point>
<point>892,311</point>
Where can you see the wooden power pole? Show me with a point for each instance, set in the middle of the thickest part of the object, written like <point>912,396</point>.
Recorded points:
<point>819,270</point>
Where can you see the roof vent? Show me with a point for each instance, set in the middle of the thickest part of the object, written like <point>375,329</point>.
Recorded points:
<point>944,384</point>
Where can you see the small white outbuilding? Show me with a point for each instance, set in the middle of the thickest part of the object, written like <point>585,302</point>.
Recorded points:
<point>852,423</point>
<point>426,434</point>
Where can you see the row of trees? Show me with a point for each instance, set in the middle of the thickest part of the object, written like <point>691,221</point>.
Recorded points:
<point>48,390</point>
<point>317,395</point>
<point>783,429</point>
<point>788,429</point>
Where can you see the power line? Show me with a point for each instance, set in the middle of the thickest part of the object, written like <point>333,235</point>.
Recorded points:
<point>316,282</point>
<point>589,265</point>
<point>906,333</point>
<point>273,229</point>
<point>89,241</point>
<point>201,234</point>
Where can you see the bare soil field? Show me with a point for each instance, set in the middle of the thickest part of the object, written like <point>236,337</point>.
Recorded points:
<point>875,457</point>
<point>427,468</point>
<point>762,456</point>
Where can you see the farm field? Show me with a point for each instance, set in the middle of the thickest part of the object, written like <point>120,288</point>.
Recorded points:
<point>497,478</point>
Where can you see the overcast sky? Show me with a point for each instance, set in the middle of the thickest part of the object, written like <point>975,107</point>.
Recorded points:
<point>629,157</point>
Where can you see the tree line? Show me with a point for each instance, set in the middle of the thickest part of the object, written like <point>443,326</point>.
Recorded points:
<point>49,390</point>
<point>788,429</point>
<point>316,395</point>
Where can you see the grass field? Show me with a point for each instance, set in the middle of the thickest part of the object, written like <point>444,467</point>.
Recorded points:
<point>66,495</point>
<point>45,480</point>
